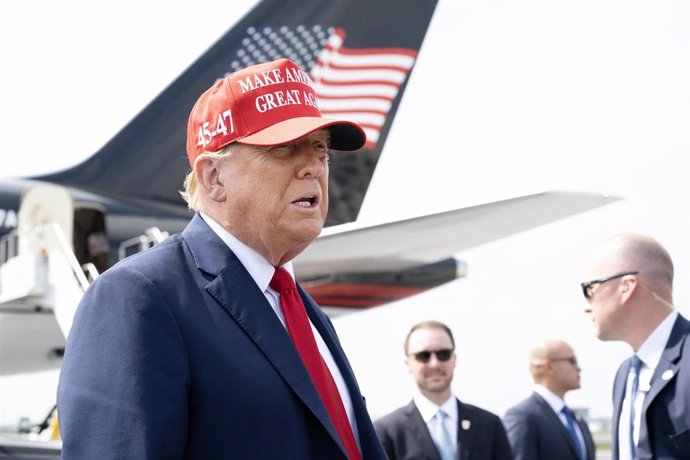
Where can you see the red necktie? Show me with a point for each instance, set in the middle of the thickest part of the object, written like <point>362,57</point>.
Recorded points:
<point>303,338</point>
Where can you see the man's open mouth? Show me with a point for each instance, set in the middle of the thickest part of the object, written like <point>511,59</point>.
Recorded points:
<point>306,202</point>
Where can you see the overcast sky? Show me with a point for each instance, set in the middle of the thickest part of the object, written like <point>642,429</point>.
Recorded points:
<point>507,97</point>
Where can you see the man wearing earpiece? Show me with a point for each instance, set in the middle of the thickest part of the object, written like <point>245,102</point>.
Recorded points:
<point>630,298</point>
<point>436,425</point>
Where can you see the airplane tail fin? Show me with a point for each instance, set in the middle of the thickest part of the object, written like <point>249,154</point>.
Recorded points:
<point>359,54</point>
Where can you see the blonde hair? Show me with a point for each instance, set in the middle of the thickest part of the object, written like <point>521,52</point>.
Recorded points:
<point>192,192</point>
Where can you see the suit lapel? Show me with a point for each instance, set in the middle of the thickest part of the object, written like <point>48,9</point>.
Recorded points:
<point>586,436</point>
<point>665,372</point>
<point>327,333</point>
<point>667,369</point>
<point>555,421</point>
<point>419,432</point>
<point>618,395</point>
<point>467,428</point>
<point>237,293</point>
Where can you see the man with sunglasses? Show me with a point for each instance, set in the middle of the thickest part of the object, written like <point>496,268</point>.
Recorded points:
<point>542,427</point>
<point>630,298</point>
<point>436,425</point>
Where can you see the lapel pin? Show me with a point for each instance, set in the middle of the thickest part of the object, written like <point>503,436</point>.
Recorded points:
<point>465,424</point>
<point>667,375</point>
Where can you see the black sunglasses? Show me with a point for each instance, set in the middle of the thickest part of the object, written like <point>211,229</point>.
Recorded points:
<point>571,359</point>
<point>425,356</point>
<point>587,286</point>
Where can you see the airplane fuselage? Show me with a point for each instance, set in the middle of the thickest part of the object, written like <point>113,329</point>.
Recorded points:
<point>123,218</point>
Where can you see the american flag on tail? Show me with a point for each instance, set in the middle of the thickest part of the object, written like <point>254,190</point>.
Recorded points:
<point>353,84</point>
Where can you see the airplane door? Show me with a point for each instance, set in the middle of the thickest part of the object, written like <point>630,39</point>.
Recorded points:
<point>42,205</point>
<point>90,239</point>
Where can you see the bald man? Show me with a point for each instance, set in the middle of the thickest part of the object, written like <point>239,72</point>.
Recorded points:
<point>630,298</point>
<point>542,426</point>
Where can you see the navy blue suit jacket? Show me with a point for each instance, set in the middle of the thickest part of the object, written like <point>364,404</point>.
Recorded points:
<point>536,432</point>
<point>176,353</point>
<point>405,436</point>
<point>665,421</point>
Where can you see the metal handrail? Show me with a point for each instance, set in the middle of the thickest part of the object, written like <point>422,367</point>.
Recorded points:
<point>157,235</point>
<point>69,254</point>
<point>8,246</point>
<point>150,238</point>
<point>91,270</point>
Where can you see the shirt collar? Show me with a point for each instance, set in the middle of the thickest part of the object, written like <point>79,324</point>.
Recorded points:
<point>652,348</point>
<point>428,408</point>
<point>555,402</point>
<point>258,267</point>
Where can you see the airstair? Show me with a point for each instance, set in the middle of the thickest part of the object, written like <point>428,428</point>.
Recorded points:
<point>39,272</point>
<point>45,268</point>
<point>46,265</point>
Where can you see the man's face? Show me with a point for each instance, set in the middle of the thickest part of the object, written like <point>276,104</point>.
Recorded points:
<point>277,196</point>
<point>565,375</point>
<point>604,305</point>
<point>434,376</point>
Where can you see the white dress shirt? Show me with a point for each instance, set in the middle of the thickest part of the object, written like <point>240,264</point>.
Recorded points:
<point>650,354</point>
<point>262,272</point>
<point>428,409</point>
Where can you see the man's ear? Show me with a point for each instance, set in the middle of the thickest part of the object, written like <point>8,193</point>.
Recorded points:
<point>628,288</point>
<point>407,364</point>
<point>546,366</point>
<point>208,174</point>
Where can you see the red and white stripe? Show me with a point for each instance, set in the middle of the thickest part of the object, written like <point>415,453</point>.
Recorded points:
<point>360,85</point>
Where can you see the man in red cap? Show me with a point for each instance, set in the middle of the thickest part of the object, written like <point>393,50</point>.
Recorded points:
<point>203,347</point>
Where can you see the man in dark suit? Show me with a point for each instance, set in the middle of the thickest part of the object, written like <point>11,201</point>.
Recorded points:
<point>630,298</point>
<point>542,427</point>
<point>201,347</point>
<point>436,425</point>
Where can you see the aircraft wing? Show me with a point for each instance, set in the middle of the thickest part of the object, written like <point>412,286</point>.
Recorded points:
<point>349,266</point>
<point>26,449</point>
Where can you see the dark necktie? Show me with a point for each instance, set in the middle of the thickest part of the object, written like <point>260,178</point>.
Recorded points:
<point>635,369</point>
<point>570,420</point>
<point>302,336</point>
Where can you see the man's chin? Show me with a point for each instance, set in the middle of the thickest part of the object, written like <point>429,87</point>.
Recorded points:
<point>302,231</point>
<point>437,386</point>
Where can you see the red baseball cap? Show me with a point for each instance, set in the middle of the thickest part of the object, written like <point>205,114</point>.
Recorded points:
<point>265,104</point>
